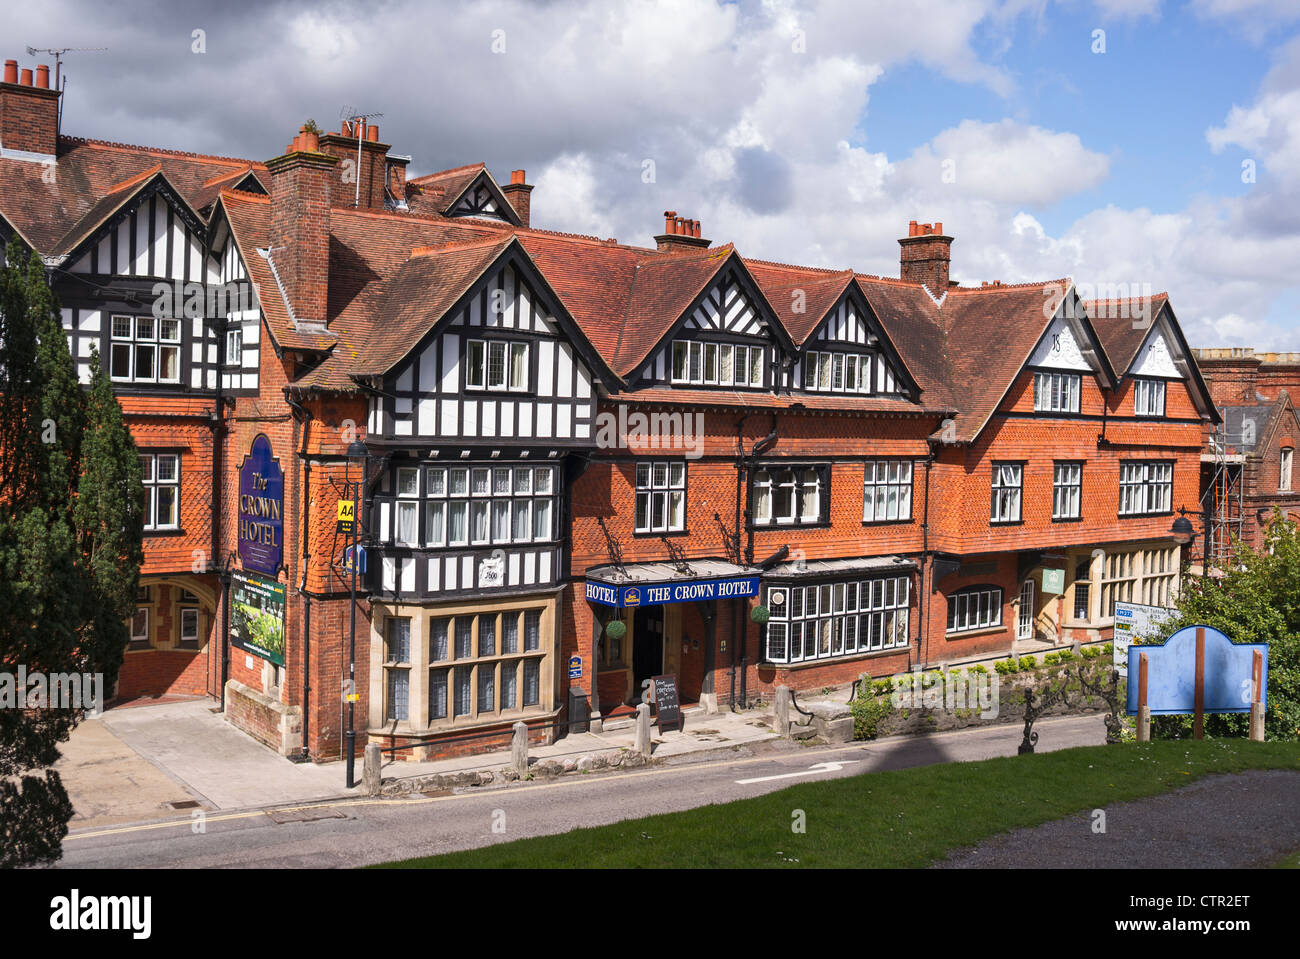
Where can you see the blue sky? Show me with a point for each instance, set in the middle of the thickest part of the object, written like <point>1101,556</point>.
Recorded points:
<point>808,131</point>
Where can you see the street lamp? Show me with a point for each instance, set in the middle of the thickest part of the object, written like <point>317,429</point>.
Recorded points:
<point>357,453</point>
<point>1185,533</point>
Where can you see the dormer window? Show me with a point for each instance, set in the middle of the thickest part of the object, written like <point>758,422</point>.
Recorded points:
<point>496,365</point>
<point>699,363</point>
<point>1056,392</point>
<point>843,373</point>
<point>1149,397</point>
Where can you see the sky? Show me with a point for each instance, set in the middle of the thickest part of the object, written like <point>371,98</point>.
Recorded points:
<point>1127,144</point>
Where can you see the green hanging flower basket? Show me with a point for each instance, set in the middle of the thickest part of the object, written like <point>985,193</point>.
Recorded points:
<point>616,629</point>
<point>760,614</point>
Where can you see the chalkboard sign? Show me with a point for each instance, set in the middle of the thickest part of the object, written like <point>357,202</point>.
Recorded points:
<point>668,709</point>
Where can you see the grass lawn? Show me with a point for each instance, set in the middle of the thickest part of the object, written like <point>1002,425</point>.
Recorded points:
<point>905,818</point>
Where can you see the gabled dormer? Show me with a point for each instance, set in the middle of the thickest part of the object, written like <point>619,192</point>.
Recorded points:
<point>469,191</point>
<point>849,352</point>
<point>725,337</point>
<point>1067,352</point>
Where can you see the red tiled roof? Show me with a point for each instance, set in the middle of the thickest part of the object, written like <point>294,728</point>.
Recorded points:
<point>44,210</point>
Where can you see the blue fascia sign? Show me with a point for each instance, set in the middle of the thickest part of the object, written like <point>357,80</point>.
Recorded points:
<point>657,594</point>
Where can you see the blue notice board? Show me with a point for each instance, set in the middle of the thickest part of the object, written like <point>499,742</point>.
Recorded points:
<point>1171,674</point>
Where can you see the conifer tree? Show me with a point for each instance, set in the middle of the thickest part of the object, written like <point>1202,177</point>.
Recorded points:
<point>70,549</point>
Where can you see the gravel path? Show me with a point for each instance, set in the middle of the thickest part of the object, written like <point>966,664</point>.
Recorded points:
<point>1217,822</point>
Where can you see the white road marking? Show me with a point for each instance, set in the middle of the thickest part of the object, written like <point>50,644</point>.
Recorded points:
<point>811,770</point>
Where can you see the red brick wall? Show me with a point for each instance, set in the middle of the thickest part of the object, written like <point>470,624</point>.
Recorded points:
<point>29,118</point>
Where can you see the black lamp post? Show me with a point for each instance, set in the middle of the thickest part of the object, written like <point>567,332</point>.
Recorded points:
<point>358,453</point>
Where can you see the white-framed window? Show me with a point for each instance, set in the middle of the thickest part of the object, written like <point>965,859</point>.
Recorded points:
<point>830,620</point>
<point>789,496</point>
<point>1145,488</point>
<point>660,497</point>
<point>1284,470</point>
<point>887,491</point>
<point>235,346</point>
<point>1056,392</point>
<point>496,365</point>
<point>978,607</point>
<point>161,473</point>
<point>463,505</point>
<point>846,372</point>
<point>1146,576</point>
<point>1004,503</point>
<point>700,363</point>
<point>140,628</point>
<point>189,638</point>
<point>1082,605</point>
<point>144,349</point>
<point>1067,490</point>
<point>1149,397</point>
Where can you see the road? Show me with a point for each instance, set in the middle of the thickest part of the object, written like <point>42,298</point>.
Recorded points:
<point>359,832</point>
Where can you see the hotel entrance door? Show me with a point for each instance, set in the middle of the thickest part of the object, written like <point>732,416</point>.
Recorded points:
<point>647,645</point>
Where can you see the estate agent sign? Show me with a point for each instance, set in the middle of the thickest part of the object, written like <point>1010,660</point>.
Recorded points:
<point>261,509</point>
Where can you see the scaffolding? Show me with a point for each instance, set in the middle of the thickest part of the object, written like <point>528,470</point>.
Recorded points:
<point>1222,503</point>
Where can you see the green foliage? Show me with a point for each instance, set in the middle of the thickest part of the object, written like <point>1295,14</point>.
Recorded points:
<point>1065,655</point>
<point>1256,601</point>
<point>867,712</point>
<point>979,668</point>
<point>70,548</point>
<point>1028,662</point>
<point>1051,659</point>
<point>1005,667</point>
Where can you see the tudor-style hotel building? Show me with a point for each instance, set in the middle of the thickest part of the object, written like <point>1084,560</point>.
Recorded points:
<point>582,463</point>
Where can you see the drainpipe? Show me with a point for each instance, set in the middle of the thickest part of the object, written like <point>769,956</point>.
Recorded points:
<point>735,604</point>
<point>924,643</point>
<point>214,562</point>
<point>740,629</point>
<point>304,558</point>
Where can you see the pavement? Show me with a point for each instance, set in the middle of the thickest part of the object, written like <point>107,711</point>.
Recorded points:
<point>135,764</point>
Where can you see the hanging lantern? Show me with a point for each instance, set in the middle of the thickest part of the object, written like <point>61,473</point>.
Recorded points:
<point>760,614</point>
<point>616,629</point>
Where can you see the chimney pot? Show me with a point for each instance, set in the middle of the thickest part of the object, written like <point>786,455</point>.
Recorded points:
<point>938,227</point>
<point>372,134</point>
<point>517,176</point>
<point>911,228</point>
<point>26,77</point>
<point>696,228</point>
<point>11,71</point>
<point>43,76</point>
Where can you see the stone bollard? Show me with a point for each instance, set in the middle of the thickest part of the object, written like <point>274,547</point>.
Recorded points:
<point>782,710</point>
<point>519,750</point>
<point>643,729</point>
<point>370,769</point>
<point>1144,724</point>
<point>1257,722</point>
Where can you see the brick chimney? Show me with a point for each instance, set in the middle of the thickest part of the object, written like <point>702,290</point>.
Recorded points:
<point>29,111</point>
<point>518,193</point>
<point>302,181</point>
<point>680,235</point>
<point>925,256</point>
<point>363,185</point>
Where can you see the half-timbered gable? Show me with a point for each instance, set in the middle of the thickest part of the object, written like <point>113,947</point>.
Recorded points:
<point>237,313</point>
<point>727,337</point>
<point>483,198</point>
<point>133,282</point>
<point>849,352</point>
<point>478,417</point>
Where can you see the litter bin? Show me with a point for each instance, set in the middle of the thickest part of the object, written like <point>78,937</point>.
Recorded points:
<point>579,713</point>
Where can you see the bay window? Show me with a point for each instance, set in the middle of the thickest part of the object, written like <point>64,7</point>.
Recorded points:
<point>469,505</point>
<point>830,620</point>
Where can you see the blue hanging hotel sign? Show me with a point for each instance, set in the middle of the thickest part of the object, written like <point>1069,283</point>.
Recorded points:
<point>261,509</point>
<point>656,594</point>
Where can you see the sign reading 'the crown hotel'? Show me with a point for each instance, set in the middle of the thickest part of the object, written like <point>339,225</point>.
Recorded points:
<point>261,509</point>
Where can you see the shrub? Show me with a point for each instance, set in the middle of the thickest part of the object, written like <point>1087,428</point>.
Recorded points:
<point>1028,662</point>
<point>1066,655</point>
<point>1051,659</point>
<point>867,712</point>
<point>979,668</point>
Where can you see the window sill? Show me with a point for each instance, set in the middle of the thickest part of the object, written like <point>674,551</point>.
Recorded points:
<point>842,658</point>
<point>164,532</point>
<point>888,522</point>
<point>650,533</point>
<point>966,633</point>
<point>460,724</point>
<point>1067,519</point>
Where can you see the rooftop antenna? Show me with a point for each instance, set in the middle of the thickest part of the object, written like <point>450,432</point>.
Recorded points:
<point>347,113</point>
<point>60,82</point>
